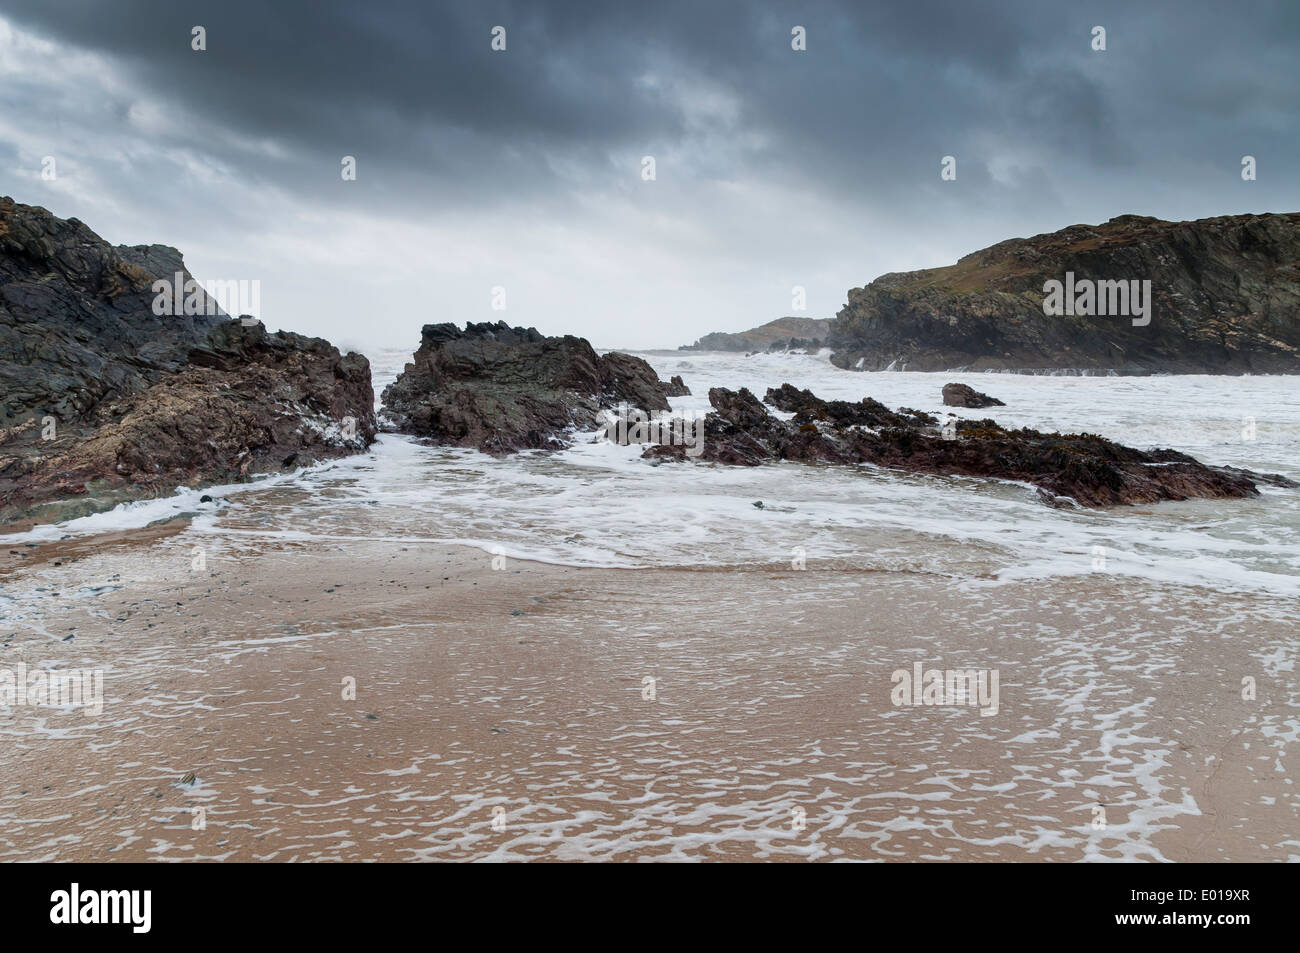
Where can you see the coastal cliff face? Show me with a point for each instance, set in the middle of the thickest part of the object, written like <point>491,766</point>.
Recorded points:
<point>1224,299</point>
<point>102,400</point>
<point>502,389</point>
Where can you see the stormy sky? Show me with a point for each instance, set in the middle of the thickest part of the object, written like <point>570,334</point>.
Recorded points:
<point>522,169</point>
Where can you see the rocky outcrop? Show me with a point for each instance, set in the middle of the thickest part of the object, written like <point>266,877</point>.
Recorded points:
<point>502,389</point>
<point>675,387</point>
<point>960,395</point>
<point>1084,468</point>
<point>624,379</point>
<point>788,333</point>
<point>102,400</point>
<point>1225,298</point>
<point>76,316</point>
<point>811,409</point>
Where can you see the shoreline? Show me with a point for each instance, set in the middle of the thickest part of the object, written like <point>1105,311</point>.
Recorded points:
<point>522,689</point>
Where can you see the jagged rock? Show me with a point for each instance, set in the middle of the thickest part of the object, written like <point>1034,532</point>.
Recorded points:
<point>676,387</point>
<point>503,389</point>
<point>959,395</point>
<point>1226,300</point>
<point>76,318</point>
<point>102,401</point>
<point>809,408</point>
<point>1085,468</point>
<point>624,378</point>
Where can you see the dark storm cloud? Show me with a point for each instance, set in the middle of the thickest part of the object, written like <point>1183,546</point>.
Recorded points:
<point>412,89</point>
<point>774,167</point>
<point>415,92</point>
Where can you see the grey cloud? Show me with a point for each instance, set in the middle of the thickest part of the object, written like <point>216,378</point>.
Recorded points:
<point>1046,131</point>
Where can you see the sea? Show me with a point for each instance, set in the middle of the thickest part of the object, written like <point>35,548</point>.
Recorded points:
<point>601,504</point>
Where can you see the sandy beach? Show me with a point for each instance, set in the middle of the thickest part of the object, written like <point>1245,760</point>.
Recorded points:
<point>508,713</point>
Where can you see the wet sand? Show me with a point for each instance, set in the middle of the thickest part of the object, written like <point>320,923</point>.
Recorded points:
<point>502,713</point>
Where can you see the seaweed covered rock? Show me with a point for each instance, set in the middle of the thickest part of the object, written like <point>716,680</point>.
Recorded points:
<point>1084,468</point>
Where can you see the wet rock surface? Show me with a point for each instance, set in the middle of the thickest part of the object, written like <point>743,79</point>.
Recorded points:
<point>808,408</point>
<point>1085,468</point>
<point>960,395</point>
<point>103,401</point>
<point>675,387</point>
<point>502,389</point>
<point>76,316</point>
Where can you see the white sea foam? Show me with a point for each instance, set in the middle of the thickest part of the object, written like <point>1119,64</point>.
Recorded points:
<point>598,504</point>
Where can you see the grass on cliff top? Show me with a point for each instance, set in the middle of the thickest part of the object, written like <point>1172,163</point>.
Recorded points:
<point>993,268</point>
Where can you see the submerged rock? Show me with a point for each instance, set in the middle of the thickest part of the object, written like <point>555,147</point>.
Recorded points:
<point>1085,468</point>
<point>959,395</point>
<point>502,389</point>
<point>102,400</point>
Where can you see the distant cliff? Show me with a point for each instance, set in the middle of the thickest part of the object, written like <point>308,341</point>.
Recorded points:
<point>1224,298</point>
<point>775,335</point>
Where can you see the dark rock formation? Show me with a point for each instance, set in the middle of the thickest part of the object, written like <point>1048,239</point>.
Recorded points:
<point>959,395</point>
<point>503,389</point>
<point>782,334</point>
<point>76,316</point>
<point>102,401</point>
<point>795,344</point>
<point>676,387</point>
<point>627,379</point>
<point>1225,299</point>
<point>809,408</point>
<point>1086,468</point>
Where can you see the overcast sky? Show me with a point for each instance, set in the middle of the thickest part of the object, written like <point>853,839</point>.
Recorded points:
<point>522,169</point>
